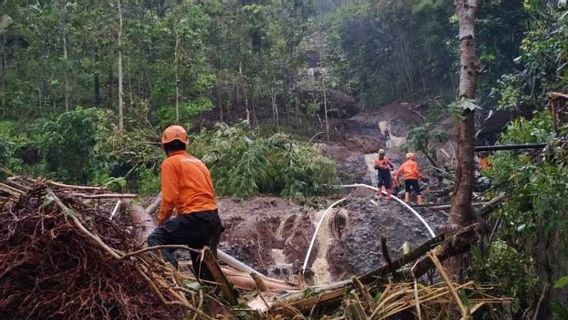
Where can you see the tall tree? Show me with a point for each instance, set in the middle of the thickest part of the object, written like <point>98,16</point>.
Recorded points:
<point>120,75</point>
<point>461,212</point>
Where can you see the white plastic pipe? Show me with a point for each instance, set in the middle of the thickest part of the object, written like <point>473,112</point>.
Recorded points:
<point>233,262</point>
<point>115,210</point>
<point>404,204</point>
<point>322,218</point>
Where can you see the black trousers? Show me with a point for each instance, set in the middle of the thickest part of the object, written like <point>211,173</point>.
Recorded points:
<point>196,230</point>
<point>411,185</point>
<point>384,178</point>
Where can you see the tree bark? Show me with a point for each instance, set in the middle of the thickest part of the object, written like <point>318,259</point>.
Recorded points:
<point>65,58</point>
<point>243,88</point>
<point>324,92</point>
<point>4,69</point>
<point>120,75</point>
<point>176,63</point>
<point>274,107</point>
<point>461,212</point>
<point>97,89</point>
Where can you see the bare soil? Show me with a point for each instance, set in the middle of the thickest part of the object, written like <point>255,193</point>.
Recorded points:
<point>273,234</point>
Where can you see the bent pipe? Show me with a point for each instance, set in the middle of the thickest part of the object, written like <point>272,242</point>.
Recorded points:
<point>322,218</point>
<point>404,204</point>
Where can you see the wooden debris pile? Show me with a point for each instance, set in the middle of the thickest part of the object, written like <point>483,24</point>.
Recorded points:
<point>63,259</point>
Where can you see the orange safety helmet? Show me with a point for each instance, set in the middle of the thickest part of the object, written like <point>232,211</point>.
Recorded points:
<point>175,132</point>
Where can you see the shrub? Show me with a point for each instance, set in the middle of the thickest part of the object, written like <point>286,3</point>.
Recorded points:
<point>243,163</point>
<point>68,144</point>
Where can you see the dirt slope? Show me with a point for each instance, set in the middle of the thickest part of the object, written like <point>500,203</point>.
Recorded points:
<point>273,234</point>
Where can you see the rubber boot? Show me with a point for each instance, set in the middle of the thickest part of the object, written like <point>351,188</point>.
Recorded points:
<point>419,199</point>
<point>407,197</point>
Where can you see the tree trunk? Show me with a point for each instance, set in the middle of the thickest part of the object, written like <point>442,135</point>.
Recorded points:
<point>241,81</point>
<point>65,59</point>
<point>324,92</point>
<point>274,107</point>
<point>219,100</point>
<point>461,212</point>
<point>120,75</point>
<point>176,63</point>
<point>4,69</point>
<point>110,85</point>
<point>97,89</point>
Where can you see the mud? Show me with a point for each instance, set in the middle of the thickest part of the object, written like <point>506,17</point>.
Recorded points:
<point>273,234</point>
<point>270,234</point>
<point>357,249</point>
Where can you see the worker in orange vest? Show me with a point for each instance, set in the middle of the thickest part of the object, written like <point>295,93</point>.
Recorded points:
<point>410,171</point>
<point>383,166</point>
<point>484,163</point>
<point>188,212</point>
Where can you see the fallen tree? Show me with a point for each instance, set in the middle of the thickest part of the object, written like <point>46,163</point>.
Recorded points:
<point>63,258</point>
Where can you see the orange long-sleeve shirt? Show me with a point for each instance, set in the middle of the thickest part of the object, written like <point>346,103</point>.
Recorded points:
<point>186,186</point>
<point>409,171</point>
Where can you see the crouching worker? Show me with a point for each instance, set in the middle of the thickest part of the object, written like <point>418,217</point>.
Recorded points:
<point>383,166</point>
<point>410,171</point>
<point>188,212</point>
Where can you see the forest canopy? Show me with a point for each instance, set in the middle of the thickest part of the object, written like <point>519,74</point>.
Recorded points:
<point>87,86</point>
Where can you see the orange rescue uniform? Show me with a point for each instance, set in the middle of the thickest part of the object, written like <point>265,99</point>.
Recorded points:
<point>186,186</point>
<point>409,171</point>
<point>384,163</point>
<point>484,163</point>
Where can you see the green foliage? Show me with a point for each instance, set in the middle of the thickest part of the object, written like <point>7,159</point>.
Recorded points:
<point>5,147</point>
<point>535,215</point>
<point>69,143</point>
<point>536,130</point>
<point>423,137</point>
<point>167,115</point>
<point>543,54</point>
<point>386,50</point>
<point>148,182</point>
<point>243,163</point>
<point>509,92</point>
<point>561,283</point>
<point>505,265</point>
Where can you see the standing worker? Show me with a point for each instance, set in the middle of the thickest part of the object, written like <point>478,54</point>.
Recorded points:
<point>188,195</point>
<point>411,174</point>
<point>383,166</point>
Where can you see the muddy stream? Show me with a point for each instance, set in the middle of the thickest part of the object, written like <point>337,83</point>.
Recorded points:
<point>272,234</point>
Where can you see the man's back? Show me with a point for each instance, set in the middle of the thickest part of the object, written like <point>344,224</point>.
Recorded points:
<point>186,184</point>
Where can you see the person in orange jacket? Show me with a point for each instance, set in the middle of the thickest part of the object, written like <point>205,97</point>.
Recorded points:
<point>188,211</point>
<point>484,163</point>
<point>410,171</point>
<point>383,166</point>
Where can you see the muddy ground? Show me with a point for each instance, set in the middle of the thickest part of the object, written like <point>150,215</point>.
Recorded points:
<point>273,234</point>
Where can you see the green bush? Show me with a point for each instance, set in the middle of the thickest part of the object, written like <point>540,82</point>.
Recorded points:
<point>243,163</point>
<point>69,143</point>
<point>148,181</point>
<point>535,214</point>
<point>507,266</point>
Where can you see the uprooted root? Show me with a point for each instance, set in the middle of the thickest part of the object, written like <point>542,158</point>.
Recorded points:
<point>51,269</point>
